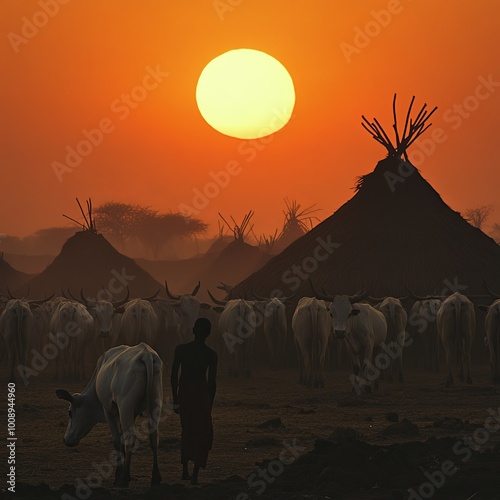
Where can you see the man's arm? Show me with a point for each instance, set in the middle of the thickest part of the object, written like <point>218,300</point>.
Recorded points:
<point>212,375</point>
<point>174,376</point>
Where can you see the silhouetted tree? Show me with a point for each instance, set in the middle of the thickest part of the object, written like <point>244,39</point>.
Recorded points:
<point>123,222</point>
<point>477,216</point>
<point>157,230</point>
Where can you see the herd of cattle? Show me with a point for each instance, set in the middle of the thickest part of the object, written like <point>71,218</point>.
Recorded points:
<point>61,331</point>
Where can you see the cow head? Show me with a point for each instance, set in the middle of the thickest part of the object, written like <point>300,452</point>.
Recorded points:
<point>82,416</point>
<point>341,310</point>
<point>102,311</point>
<point>429,309</point>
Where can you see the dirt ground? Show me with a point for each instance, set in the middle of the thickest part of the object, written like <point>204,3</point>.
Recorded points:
<point>332,444</point>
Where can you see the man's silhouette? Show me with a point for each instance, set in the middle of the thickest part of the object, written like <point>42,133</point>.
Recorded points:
<point>194,393</point>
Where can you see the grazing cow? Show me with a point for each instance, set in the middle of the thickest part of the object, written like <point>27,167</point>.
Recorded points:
<point>311,325</point>
<point>363,328</point>
<point>72,321</point>
<point>237,327</point>
<point>396,318</point>
<point>423,316</point>
<point>126,381</point>
<point>188,309</point>
<point>138,323</point>
<point>16,329</point>
<point>456,322</point>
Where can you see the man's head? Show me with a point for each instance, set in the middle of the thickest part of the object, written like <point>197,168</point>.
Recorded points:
<point>202,327</point>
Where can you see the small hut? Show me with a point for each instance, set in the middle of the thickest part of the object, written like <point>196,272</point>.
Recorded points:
<point>87,260</point>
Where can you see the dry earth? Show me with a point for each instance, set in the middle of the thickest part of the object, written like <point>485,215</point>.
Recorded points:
<point>341,449</point>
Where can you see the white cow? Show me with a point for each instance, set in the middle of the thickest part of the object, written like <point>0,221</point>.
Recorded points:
<point>187,307</point>
<point>396,318</point>
<point>16,329</point>
<point>139,323</point>
<point>72,322</point>
<point>363,328</point>
<point>456,322</point>
<point>126,381</point>
<point>422,318</point>
<point>492,327</point>
<point>237,328</point>
<point>311,325</point>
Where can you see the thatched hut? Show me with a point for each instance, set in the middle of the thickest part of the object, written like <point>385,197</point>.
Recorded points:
<point>87,260</point>
<point>396,233</point>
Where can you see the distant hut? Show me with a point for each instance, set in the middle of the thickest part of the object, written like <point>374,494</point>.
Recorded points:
<point>298,221</point>
<point>394,234</point>
<point>238,259</point>
<point>87,260</point>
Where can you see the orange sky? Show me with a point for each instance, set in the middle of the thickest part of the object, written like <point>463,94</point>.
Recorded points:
<point>69,74</point>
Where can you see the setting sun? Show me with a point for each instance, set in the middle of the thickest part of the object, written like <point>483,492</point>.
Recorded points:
<point>245,93</point>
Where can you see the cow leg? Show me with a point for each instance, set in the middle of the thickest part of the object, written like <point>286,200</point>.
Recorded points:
<point>129,441</point>
<point>366,364</point>
<point>114,425</point>
<point>467,347</point>
<point>153,441</point>
<point>449,373</point>
<point>300,362</point>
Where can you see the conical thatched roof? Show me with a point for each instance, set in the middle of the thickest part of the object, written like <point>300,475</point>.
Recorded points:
<point>87,260</point>
<point>395,233</point>
<point>9,277</point>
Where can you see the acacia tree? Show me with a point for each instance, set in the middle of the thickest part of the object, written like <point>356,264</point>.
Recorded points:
<point>125,222</point>
<point>477,216</point>
<point>156,231</point>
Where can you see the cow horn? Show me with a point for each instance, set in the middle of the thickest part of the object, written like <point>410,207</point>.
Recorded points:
<point>149,299</point>
<point>171,295</point>
<point>196,288</point>
<point>490,291</point>
<point>11,297</point>
<point>72,297</point>
<point>256,296</point>
<point>84,299</point>
<point>358,297</point>
<point>40,301</point>
<point>119,303</point>
<point>217,301</point>
<point>376,299</point>
<point>224,286</point>
<point>321,296</point>
<point>418,297</point>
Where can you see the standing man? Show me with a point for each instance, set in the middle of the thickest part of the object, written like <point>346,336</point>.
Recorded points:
<point>193,397</point>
